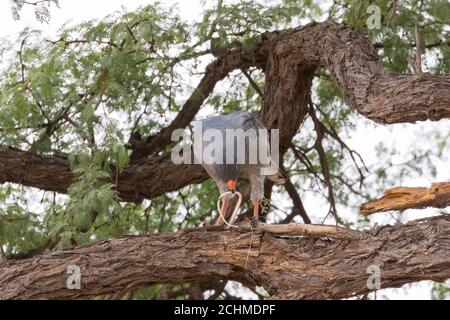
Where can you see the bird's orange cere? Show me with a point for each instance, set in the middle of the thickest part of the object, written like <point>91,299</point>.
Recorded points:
<point>231,185</point>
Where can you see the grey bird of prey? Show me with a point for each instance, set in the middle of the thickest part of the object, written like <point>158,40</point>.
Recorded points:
<point>226,174</point>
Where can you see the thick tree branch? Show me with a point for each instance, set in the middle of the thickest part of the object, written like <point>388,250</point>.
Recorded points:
<point>147,178</point>
<point>402,198</point>
<point>353,63</point>
<point>294,268</point>
<point>359,73</point>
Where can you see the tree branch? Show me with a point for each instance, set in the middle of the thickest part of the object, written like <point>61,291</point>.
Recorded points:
<point>355,66</point>
<point>298,208</point>
<point>147,178</point>
<point>253,83</point>
<point>402,198</point>
<point>288,268</point>
<point>323,160</point>
<point>432,45</point>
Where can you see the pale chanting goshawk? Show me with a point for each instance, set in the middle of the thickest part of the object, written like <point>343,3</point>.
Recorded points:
<point>226,173</point>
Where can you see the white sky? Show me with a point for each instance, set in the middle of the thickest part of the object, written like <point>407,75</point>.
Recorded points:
<point>363,140</point>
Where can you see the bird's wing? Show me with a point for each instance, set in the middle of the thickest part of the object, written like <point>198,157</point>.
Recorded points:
<point>250,121</point>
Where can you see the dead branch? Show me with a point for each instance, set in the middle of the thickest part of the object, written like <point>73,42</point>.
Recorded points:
<point>307,230</point>
<point>402,198</point>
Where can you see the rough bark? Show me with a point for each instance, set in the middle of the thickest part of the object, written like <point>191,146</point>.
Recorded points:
<point>286,96</point>
<point>289,268</point>
<point>402,198</point>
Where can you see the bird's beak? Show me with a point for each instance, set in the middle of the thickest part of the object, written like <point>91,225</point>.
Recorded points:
<point>231,185</point>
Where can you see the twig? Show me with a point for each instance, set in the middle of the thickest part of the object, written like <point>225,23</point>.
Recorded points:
<point>218,289</point>
<point>298,208</point>
<point>432,45</point>
<point>253,83</point>
<point>301,155</point>
<point>2,256</point>
<point>51,126</point>
<point>394,12</point>
<point>33,3</point>
<point>418,66</point>
<point>318,127</point>
<point>333,134</point>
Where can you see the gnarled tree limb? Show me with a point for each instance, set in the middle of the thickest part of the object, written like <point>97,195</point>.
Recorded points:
<point>402,198</point>
<point>294,268</point>
<point>354,64</point>
<point>147,178</point>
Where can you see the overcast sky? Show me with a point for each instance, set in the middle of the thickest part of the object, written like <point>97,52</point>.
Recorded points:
<point>363,139</point>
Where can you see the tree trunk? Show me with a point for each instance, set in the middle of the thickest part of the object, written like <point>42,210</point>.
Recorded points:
<point>289,268</point>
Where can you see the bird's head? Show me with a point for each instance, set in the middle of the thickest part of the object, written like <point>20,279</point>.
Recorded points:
<point>229,175</point>
<point>231,185</point>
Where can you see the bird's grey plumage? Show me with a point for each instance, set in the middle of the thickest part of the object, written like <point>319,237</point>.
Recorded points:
<point>223,172</point>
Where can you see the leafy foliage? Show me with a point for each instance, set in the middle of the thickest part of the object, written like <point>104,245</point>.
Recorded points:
<point>441,291</point>
<point>41,10</point>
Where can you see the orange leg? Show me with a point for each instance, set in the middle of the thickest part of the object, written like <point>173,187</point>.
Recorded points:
<point>255,212</point>
<point>225,202</point>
